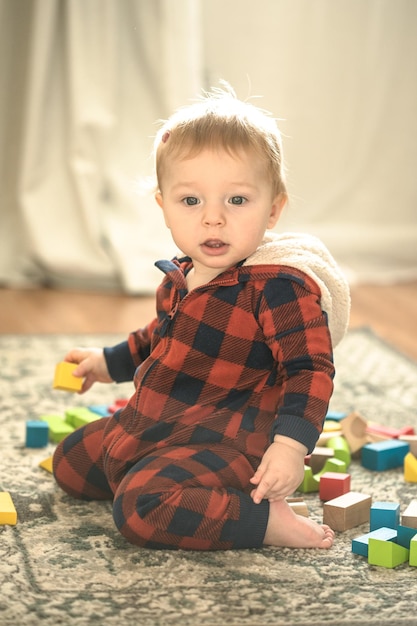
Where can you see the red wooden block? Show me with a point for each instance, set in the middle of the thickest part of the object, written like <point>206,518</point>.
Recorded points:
<point>118,404</point>
<point>389,432</point>
<point>333,484</point>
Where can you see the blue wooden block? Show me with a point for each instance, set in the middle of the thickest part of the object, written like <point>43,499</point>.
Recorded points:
<point>335,416</point>
<point>404,535</point>
<point>100,409</point>
<point>360,544</point>
<point>384,455</point>
<point>37,434</point>
<point>384,514</point>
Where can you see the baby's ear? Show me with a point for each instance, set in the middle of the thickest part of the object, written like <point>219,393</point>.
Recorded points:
<point>158,198</point>
<point>277,207</point>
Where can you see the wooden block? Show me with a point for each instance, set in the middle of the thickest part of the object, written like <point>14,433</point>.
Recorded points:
<point>37,434</point>
<point>405,535</point>
<point>386,553</point>
<point>8,514</point>
<point>354,430</point>
<point>330,426</point>
<point>64,380</point>
<point>340,447</point>
<point>58,427</point>
<point>335,416</point>
<point>333,484</point>
<point>384,455</point>
<point>412,442</point>
<point>347,511</point>
<point>410,468</point>
<point>80,416</point>
<point>46,464</point>
<point>360,544</point>
<point>388,432</point>
<point>317,459</point>
<point>331,465</point>
<point>413,552</point>
<point>309,483</point>
<point>384,514</point>
<point>409,517</point>
<point>298,506</point>
<point>118,404</point>
<point>101,409</point>
<point>324,437</point>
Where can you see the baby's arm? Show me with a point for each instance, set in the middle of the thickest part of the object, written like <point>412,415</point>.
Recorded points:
<point>281,470</point>
<point>92,366</point>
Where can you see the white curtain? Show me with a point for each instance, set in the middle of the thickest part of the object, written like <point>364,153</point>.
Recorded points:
<point>82,84</point>
<point>343,76</point>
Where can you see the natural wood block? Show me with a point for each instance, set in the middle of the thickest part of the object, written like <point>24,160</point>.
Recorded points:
<point>412,442</point>
<point>317,459</point>
<point>298,506</point>
<point>324,437</point>
<point>409,517</point>
<point>347,511</point>
<point>354,430</point>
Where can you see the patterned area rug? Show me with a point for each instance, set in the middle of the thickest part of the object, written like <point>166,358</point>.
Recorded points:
<point>64,562</point>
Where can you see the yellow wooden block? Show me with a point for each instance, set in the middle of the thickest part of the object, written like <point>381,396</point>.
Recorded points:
<point>47,464</point>
<point>410,468</point>
<point>330,426</point>
<point>64,380</point>
<point>8,513</point>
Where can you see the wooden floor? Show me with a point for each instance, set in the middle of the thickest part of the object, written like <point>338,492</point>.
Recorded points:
<point>390,310</point>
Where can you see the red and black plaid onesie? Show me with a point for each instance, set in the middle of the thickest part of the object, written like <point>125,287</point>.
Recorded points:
<point>218,373</point>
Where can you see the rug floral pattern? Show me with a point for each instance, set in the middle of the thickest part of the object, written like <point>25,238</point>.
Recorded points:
<point>64,562</point>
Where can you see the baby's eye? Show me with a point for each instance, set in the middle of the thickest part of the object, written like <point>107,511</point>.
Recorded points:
<point>190,201</point>
<point>237,200</point>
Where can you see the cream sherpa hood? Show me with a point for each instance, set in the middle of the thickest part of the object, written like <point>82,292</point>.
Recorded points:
<point>309,255</point>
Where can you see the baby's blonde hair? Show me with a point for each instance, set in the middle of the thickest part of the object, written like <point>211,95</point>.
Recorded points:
<point>219,120</point>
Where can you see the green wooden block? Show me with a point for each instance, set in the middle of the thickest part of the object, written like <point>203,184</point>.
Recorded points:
<point>386,553</point>
<point>310,483</point>
<point>413,551</point>
<point>331,465</point>
<point>58,427</point>
<point>80,416</point>
<point>340,448</point>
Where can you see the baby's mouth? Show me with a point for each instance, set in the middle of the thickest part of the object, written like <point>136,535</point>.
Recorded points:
<point>214,243</point>
<point>214,246</point>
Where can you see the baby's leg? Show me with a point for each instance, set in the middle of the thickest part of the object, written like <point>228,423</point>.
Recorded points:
<point>285,528</point>
<point>190,498</point>
<point>78,463</point>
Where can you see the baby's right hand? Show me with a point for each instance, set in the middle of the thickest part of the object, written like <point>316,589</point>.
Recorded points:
<point>92,366</point>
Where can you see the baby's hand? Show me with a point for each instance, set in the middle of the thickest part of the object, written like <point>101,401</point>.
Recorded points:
<point>281,470</point>
<point>91,366</point>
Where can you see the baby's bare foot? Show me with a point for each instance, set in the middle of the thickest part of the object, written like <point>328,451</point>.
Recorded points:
<point>286,529</point>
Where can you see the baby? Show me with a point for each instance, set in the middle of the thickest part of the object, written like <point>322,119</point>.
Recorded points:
<point>233,376</point>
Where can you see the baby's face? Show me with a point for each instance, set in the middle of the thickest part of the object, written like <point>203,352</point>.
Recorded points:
<point>218,207</point>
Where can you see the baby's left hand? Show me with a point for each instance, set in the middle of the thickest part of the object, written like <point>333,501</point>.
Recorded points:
<point>281,470</point>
